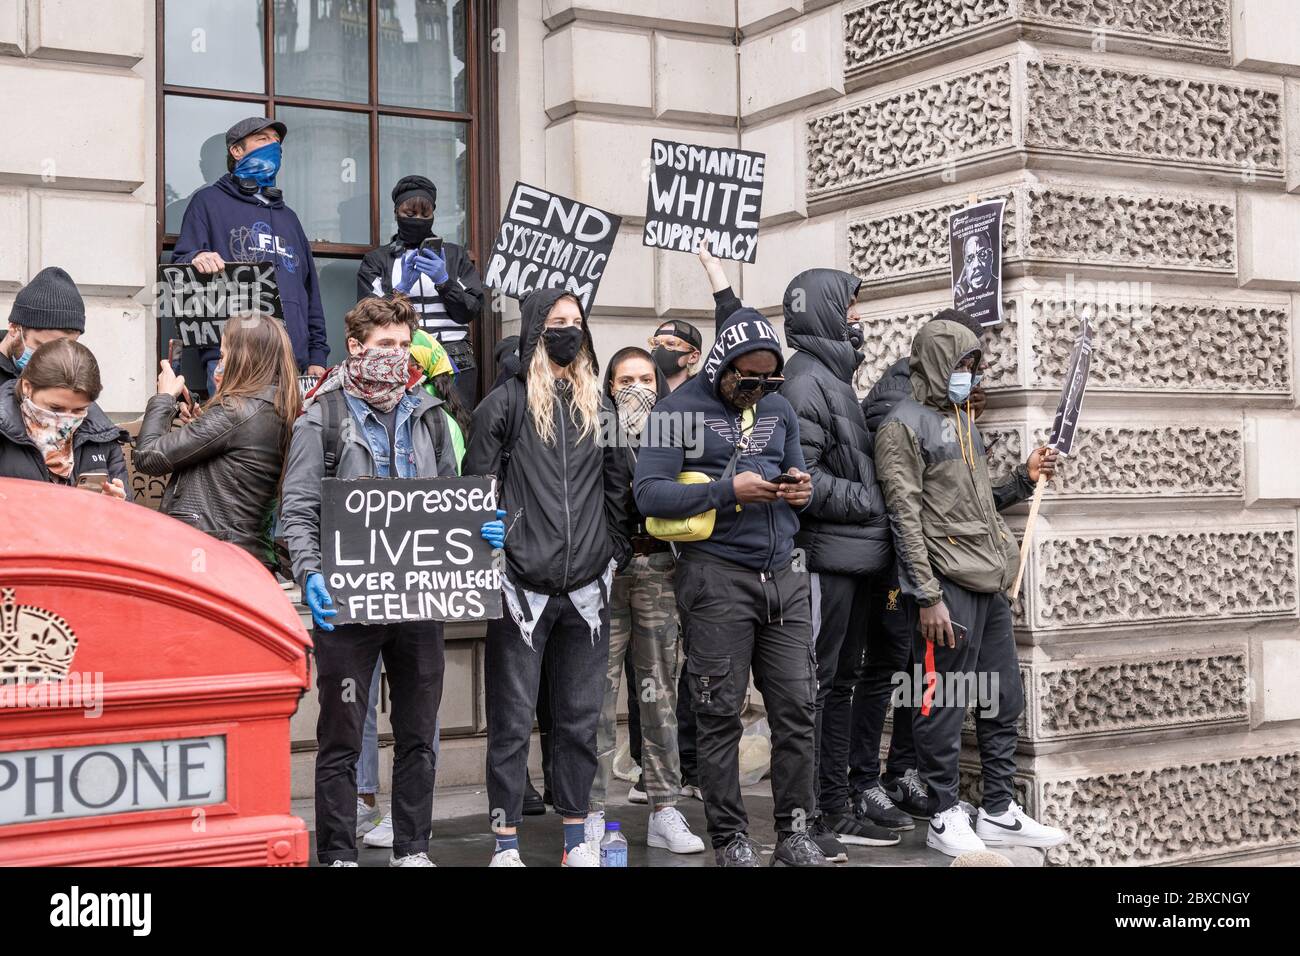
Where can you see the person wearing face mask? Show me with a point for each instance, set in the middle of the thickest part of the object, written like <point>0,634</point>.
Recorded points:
<point>368,418</point>
<point>50,427</point>
<point>956,559</point>
<point>242,217</point>
<point>564,499</point>
<point>47,308</point>
<point>675,348</point>
<point>445,289</point>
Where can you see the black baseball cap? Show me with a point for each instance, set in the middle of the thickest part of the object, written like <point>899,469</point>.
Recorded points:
<point>683,330</point>
<point>254,124</point>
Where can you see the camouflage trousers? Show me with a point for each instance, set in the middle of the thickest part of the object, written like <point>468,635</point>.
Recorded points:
<point>643,623</point>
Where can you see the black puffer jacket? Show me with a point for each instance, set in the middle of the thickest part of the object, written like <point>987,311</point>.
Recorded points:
<point>566,504</point>
<point>225,467</point>
<point>97,444</point>
<point>894,385</point>
<point>844,529</point>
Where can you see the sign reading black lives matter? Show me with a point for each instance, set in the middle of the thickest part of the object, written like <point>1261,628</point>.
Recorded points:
<point>409,549</point>
<point>1070,407</point>
<point>975,243</point>
<point>199,304</point>
<point>549,242</point>
<point>704,194</point>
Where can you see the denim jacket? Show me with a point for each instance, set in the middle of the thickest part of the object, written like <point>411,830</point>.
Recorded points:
<point>376,435</point>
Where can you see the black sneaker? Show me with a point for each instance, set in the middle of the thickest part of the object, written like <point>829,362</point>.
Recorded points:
<point>849,829</point>
<point>799,849</point>
<point>533,804</point>
<point>908,793</point>
<point>831,848</point>
<point>739,851</point>
<point>874,806</point>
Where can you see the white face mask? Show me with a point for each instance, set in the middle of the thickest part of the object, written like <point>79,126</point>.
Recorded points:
<point>959,386</point>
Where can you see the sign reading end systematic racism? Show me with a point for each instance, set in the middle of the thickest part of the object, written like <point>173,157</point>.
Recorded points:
<point>199,303</point>
<point>1066,423</point>
<point>409,549</point>
<point>704,194</point>
<point>975,243</point>
<point>549,242</point>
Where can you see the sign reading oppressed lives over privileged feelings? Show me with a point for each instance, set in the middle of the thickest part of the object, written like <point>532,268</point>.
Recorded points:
<point>409,549</point>
<point>199,303</point>
<point>975,243</point>
<point>704,194</point>
<point>549,242</point>
<point>1066,423</point>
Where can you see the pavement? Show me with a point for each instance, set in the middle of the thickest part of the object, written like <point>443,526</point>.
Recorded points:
<point>461,837</point>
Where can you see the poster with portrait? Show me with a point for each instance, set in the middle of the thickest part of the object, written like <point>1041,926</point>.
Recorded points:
<point>975,244</point>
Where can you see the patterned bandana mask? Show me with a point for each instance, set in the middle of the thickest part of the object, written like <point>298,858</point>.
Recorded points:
<point>634,404</point>
<point>377,376</point>
<point>52,432</point>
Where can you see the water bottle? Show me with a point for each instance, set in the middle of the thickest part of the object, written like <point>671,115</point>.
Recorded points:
<point>613,849</point>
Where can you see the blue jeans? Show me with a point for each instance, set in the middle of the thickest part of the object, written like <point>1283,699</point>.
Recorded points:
<point>368,762</point>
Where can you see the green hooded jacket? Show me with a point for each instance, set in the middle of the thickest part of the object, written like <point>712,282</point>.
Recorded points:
<point>931,465</point>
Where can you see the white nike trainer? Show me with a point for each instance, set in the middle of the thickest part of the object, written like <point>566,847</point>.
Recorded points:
<point>1014,827</point>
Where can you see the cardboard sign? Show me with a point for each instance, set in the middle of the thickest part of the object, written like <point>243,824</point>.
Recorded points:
<point>703,194</point>
<point>409,549</point>
<point>549,242</point>
<point>975,244</point>
<point>199,304</point>
<point>143,489</point>
<point>1066,423</point>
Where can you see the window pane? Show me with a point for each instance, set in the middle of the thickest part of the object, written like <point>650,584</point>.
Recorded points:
<point>422,54</point>
<point>322,49</point>
<point>338,294</point>
<point>195,147</point>
<point>325,173</point>
<point>411,147</point>
<point>215,44</point>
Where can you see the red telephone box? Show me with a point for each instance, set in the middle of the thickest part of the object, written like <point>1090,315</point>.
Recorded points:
<point>147,676</point>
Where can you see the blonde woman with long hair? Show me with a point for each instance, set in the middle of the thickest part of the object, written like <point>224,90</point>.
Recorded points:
<point>563,495</point>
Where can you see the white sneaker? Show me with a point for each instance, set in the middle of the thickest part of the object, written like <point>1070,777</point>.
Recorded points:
<point>636,793</point>
<point>345,863</point>
<point>506,858</point>
<point>382,834</point>
<point>1014,827</point>
<point>692,791</point>
<point>593,831</point>
<point>411,859</point>
<point>950,833</point>
<point>581,855</point>
<point>367,817</point>
<point>668,830</point>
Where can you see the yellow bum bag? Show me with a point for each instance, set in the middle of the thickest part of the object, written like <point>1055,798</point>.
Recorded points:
<point>699,527</point>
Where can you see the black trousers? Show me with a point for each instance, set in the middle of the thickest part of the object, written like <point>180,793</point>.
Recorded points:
<point>839,604</point>
<point>686,747</point>
<point>735,618</point>
<point>345,663</point>
<point>575,662</point>
<point>982,672</point>
<point>887,661</point>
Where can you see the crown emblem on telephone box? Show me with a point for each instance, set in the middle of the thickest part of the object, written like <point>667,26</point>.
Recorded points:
<point>35,644</point>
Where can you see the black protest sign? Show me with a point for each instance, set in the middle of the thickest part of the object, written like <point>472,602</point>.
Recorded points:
<point>704,194</point>
<point>975,244</point>
<point>409,549</point>
<point>547,241</point>
<point>200,303</point>
<point>1065,425</point>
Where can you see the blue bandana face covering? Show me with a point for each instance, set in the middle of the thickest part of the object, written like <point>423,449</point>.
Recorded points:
<point>959,386</point>
<point>261,165</point>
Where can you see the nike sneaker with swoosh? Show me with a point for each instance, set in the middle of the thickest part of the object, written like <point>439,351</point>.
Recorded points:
<point>1014,827</point>
<point>950,833</point>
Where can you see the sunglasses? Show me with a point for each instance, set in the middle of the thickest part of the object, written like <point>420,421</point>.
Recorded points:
<point>768,383</point>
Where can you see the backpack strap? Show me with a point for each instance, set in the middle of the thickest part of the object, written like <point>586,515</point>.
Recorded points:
<point>515,417</point>
<point>332,410</point>
<point>437,430</point>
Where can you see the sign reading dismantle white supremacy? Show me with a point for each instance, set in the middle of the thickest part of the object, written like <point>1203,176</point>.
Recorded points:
<point>704,194</point>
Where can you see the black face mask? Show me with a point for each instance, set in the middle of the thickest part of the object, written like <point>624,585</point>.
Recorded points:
<point>412,230</point>
<point>563,345</point>
<point>667,360</point>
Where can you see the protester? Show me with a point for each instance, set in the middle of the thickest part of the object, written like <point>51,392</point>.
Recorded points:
<point>368,419</point>
<point>47,308</point>
<point>52,430</point>
<point>956,559</point>
<point>225,464</point>
<point>440,378</point>
<point>644,630</point>
<point>445,289</point>
<point>242,217</point>
<point>740,600</point>
<point>564,500</point>
<point>506,355</point>
<point>844,532</point>
<point>675,347</point>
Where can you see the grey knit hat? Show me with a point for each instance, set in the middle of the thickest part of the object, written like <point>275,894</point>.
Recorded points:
<point>50,301</point>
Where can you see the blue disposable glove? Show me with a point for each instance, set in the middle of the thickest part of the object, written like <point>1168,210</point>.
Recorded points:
<point>494,532</point>
<point>410,275</point>
<point>432,265</point>
<point>319,600</point>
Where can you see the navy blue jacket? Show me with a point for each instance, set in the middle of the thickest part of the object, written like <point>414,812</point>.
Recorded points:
<point>251,228</point>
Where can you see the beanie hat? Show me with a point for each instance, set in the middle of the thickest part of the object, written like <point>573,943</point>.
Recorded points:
<point>744,331</point>
<point>50,301</point>
<point>415,186</point>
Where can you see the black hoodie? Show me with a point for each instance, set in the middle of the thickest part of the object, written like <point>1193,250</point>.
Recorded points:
<point>566,503</point>
<point>844,529</point>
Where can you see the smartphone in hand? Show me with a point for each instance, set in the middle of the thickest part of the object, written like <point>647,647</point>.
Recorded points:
<point>92,481</point>
<point>785,480</point>
<point>434,243</point>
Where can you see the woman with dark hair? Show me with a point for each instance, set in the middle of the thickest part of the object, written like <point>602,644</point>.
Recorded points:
<point>225,463</point>
<point>439,279</point>
<point>50,427</point>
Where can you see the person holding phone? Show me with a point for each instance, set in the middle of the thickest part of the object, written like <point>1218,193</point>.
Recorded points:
<point>436,275</point>
<point>956,558</point>
<point>52,430</point>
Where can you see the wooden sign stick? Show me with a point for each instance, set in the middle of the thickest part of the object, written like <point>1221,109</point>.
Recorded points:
<point>1029,534</point>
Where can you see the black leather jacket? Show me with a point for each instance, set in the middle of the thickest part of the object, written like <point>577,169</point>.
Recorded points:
<point>225,467</point>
